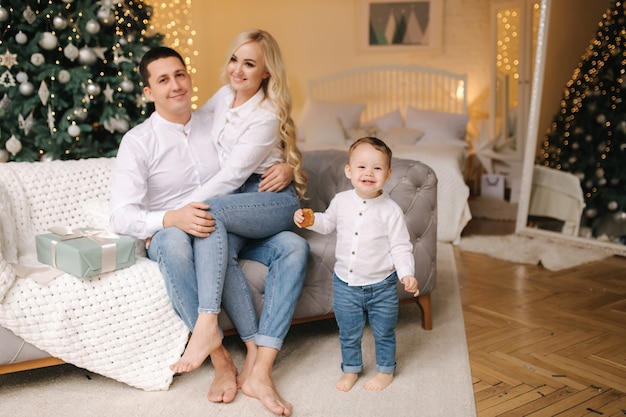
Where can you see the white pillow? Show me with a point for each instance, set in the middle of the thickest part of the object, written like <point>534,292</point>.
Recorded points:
<point>387,121</point>
<point>401,136</point>
<point>314,110</point>
<point>437,125</point>
<point>325,131</point>
<point>360,132</point>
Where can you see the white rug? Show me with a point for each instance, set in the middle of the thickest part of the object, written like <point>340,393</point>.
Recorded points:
<point>532,250</point>
<point>433,377</point>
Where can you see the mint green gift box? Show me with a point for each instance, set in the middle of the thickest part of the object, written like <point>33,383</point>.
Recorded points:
<point>84,252</point>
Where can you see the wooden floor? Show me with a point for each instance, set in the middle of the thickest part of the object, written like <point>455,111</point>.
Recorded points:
<point>545,343</point>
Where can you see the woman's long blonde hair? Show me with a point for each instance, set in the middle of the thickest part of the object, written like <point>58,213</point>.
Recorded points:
<point>277,92</point>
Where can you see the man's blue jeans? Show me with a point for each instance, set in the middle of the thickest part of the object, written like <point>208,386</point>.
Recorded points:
<point>379,304</point>
<point>285,254</point>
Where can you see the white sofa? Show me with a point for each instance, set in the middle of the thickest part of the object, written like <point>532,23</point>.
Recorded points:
<point>121,324</point>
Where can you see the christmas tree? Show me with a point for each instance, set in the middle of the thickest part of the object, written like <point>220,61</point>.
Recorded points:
<point>69,86</point>
<point>588,134</point>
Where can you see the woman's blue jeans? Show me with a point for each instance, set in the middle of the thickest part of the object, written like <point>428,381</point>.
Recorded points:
<point>377,303</point>
<point>247,213</point>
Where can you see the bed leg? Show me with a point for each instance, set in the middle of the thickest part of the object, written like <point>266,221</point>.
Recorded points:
<point>423,301</point>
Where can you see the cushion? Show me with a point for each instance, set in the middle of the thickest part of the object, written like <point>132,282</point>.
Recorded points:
<point>314,110</point>
<point>401,136</point>
<point>324,133</point>
<point>387,121</point>
<point>360,132</point>
<point>437,125</point>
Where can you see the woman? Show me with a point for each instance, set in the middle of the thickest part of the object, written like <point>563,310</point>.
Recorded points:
<point>252,130</point>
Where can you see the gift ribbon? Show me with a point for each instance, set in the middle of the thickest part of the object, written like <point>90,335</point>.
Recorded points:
<point>102,237</point>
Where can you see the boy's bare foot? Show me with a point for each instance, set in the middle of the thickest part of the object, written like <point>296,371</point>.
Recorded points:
<point>224,385</point>
<point>346,382</point>
<point>379,382</point>
<point>248,363</point>
<point>205,338</point>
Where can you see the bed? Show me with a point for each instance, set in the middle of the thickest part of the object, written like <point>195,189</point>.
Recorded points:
<point>421,113</point>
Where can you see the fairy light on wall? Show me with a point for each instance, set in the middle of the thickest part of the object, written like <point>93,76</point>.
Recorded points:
<point>172,18</point>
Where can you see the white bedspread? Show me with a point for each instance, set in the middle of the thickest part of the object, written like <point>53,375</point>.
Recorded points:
<point>453,212</point>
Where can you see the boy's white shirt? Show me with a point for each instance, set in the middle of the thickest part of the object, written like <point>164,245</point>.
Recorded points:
<point>372,238</point>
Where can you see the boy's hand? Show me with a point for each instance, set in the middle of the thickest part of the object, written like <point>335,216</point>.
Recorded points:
<point>410,285</point>
<point>298,217</point>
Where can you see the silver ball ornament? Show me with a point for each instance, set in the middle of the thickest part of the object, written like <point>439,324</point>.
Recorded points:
<point>4,14</point>
<point>93,89</point>
<point>86,56</point>
<point>612,205</point>
<point>48,41</point>
<point>21,38</point>
<point>21,77</point>
<point>26,88</point>
<point>37,59</point>
<point>4,156</point>
<point>127,86</point>
<point>92,26</point>
<point>64,76</point>
<point>73,130</point>
<point>59,22</point>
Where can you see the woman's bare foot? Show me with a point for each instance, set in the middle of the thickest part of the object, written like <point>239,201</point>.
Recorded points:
<point>346,382</point>
<point>224,385</point>
<point>205,338</point>
<point>248,363</point>
<point>379,382</point>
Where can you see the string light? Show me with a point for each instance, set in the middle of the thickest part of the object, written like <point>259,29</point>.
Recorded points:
<point>172,18</point>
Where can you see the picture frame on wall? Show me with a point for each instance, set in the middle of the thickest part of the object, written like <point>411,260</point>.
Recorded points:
<point>400,25</point>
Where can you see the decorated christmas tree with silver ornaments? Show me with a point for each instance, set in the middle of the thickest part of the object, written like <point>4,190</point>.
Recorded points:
<point>588,134</point>
<point>69,86</point>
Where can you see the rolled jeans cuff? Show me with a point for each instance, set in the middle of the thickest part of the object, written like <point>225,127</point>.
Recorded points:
<point>268,341</point>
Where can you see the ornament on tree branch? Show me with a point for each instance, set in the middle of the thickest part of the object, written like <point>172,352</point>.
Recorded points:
<point>13,145</point>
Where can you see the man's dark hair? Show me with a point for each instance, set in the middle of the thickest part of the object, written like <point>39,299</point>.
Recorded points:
<point>152,55</point>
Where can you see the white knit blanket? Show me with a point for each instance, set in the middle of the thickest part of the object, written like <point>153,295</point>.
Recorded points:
<point>120,324</point>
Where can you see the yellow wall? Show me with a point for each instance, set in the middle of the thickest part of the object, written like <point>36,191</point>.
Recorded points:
<point>321,36</point>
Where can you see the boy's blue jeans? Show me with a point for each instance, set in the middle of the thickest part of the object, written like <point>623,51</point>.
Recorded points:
<point>377,303</point>
<point>285,254</point>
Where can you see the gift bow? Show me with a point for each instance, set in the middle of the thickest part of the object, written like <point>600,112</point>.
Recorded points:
<point>103,237</point>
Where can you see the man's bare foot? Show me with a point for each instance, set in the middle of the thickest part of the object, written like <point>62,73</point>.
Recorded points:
<point>379,382</point>
<point>265,391</point>
<point>224,385</point>
<point>346,382</point>
<point>248,363</point>
<point>205,338</point>
<point>259,383</point>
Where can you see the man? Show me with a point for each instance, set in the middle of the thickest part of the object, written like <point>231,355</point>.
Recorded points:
<point>161,162</point>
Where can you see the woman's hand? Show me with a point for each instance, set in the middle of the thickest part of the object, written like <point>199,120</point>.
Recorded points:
<point>193,218</point>
<point>277,177</point>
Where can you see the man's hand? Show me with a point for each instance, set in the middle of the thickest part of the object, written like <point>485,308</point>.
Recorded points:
<point>192,218</point>
<point>277,177</point>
